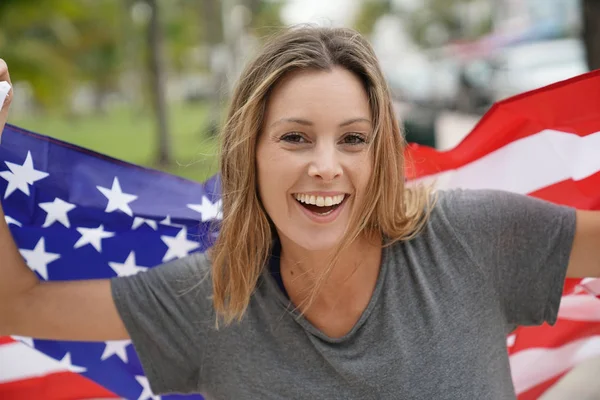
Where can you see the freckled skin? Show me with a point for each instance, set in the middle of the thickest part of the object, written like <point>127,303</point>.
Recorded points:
<point>316,152</point>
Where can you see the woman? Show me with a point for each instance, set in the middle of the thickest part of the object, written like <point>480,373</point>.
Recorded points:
<point>330,278</point>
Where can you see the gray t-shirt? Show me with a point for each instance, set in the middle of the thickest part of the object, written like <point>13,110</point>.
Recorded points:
<point>435,327</point>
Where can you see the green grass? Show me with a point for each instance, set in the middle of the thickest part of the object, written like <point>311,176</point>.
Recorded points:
<point>131,136</point>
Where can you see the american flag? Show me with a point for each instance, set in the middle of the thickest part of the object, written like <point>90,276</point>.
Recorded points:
<point>76,214</point>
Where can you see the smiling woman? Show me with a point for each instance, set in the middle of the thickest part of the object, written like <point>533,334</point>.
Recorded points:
<point>315,116</point>
<point>330,278</point>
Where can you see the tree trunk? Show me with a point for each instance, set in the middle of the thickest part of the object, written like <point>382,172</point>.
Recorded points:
<point>99,98</point>
<point>132,60</point>
<point>157,78</point>
<point>212,21</point>
<point>591,32</point>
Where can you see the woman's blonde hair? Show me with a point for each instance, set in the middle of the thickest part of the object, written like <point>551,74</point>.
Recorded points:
<point>246,233</point>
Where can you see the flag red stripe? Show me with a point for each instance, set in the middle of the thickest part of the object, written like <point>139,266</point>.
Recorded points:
<point>5,340</point>
<point>581,194</point>
<point>58,386</point>
<point>545,336</point>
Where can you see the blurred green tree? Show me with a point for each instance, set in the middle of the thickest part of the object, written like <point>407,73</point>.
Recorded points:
<point>33,41</point>
<point>58,46</point>
<point>368,14</point>
<point>97,49</point>
<point>123,47</point>
<point>265,17</point>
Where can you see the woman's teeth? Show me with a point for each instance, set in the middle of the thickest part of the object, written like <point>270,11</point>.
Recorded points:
<point>320,201</point>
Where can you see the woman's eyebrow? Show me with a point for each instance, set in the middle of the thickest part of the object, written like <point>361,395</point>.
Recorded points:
<point>292,120</point>
<point>309,123</point>
<point>353,120</point>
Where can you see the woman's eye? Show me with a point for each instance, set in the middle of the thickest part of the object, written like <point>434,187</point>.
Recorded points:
<point>293,138</point>
<point>354,139</point>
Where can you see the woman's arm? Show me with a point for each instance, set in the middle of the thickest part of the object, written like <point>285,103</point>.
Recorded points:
<point>82,310</point>
<point>584,260</point>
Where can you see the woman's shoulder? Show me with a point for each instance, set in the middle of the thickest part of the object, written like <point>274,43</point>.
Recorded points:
<point>479,217</point>
<point>461,197</point>
<point>196,264</point>
<point>187,274</point>
<point>460,203</point>
<point>483,203</point>
<point>472,212</point>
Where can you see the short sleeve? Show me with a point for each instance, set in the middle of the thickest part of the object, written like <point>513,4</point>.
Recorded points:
<point>522,243</point>
<point>166,311</point>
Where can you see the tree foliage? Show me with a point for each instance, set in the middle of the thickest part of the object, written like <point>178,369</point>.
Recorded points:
<point>125,48</point>
<point>265,17</point>
<point>368,14</point>
<point>34,40</point>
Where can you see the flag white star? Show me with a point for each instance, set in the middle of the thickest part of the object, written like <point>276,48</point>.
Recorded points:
<point>38,259</point>
<point>129,267</point>
<point>68,365</point>
<point>179,246</point>
<point>21,176</point>
<point>57,211</point>
<point>25,340</point>
<point>207,209</point>
<point>117,200</point>
<point>11,220</point>
<point>139,221</point>
<point>167,221</point>
<point>118,347</point>
<point>146,392</point>
<point>93,236</point>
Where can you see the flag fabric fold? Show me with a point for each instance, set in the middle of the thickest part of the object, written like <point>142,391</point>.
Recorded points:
<point>77,214</point>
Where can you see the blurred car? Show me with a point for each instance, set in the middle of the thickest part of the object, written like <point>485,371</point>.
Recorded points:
<point>528,66</point>
<point>427,80</point>
<point>474,95</point>
<point>411,80</point>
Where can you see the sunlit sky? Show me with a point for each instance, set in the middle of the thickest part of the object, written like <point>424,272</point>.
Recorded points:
<point>323,12</point>
<point>327,12</point>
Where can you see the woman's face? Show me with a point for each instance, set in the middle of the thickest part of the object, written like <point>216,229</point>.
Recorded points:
<point>313,156</point>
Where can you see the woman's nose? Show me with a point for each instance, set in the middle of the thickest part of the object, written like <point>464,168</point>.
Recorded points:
<point>325,163</point>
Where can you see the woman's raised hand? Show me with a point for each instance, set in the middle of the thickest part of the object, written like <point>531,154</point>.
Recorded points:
<point>4,80</point>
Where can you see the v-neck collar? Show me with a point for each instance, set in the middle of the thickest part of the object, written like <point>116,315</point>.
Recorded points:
<point>281,297</point>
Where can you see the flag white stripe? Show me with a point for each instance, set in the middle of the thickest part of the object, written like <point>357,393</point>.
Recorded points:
<point>532,367</point>
<point>19,361</point>
<point>591,285</point>
<point>585,308</point>
<point>528,164</point>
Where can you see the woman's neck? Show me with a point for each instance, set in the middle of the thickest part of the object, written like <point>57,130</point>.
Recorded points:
<point>352,277</point>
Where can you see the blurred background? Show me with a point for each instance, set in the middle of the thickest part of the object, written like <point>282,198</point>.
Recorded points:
<point>147,81</point>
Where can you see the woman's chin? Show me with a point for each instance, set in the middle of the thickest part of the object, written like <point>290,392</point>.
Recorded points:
<point>317,243</point>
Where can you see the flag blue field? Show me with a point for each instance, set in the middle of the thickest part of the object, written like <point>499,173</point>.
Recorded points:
<point>76,214</point>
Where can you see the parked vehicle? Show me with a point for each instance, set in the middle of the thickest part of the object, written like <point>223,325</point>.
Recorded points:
<point>528,66</point>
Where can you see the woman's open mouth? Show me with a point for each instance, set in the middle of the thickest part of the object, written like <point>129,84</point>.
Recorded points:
<point>320,205</point>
